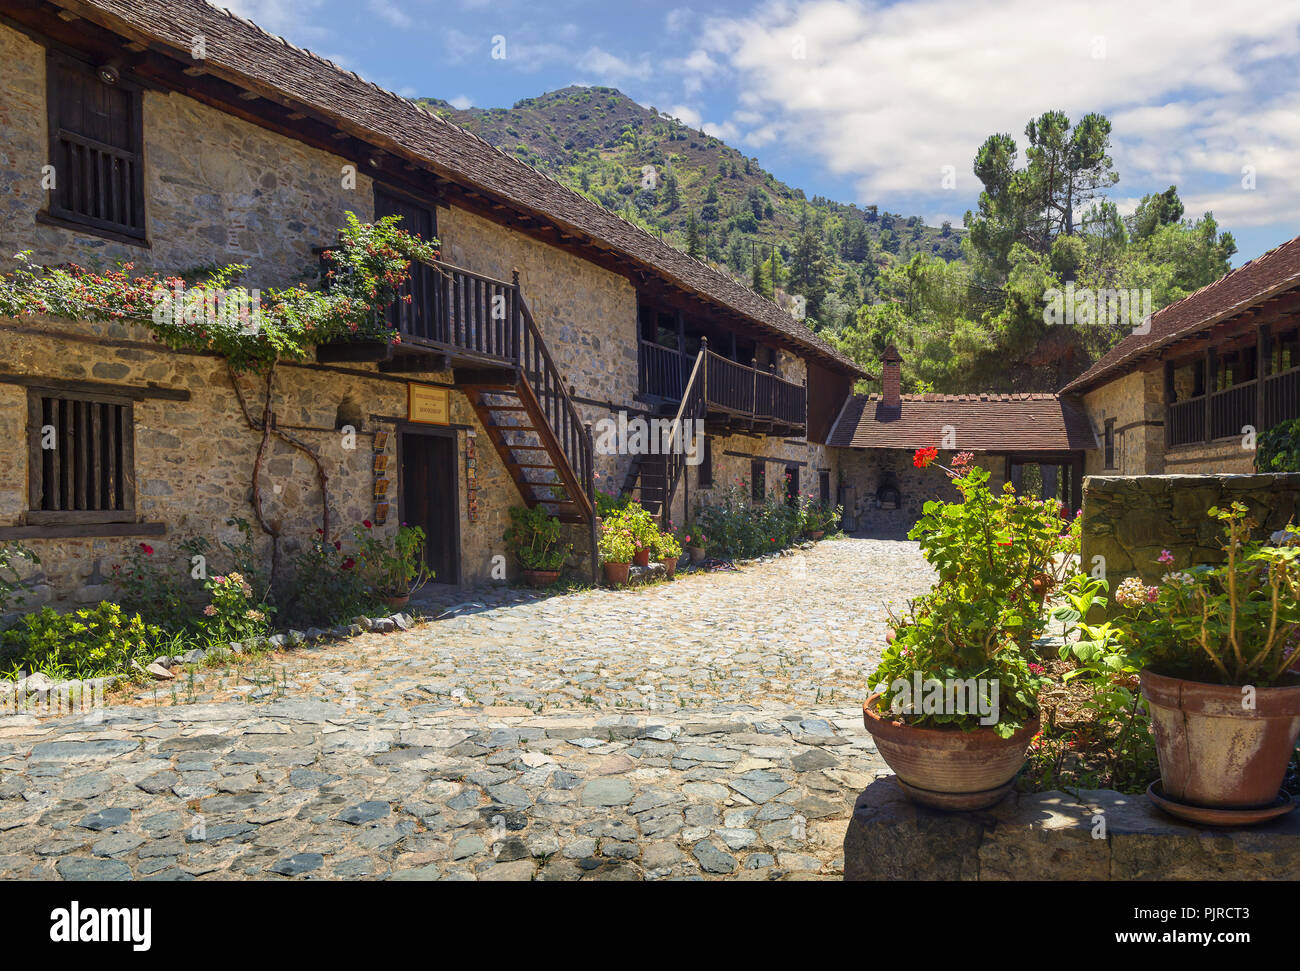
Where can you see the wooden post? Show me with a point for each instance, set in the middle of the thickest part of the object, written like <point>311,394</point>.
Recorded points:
<point>1169,400</point>
<point>753,400</point>
<point>1210,366</point>
<point>514,317</point>
<point>1262,365</point>
<point>704,371</point>
<point>771,390</point>
<point>590,486</point>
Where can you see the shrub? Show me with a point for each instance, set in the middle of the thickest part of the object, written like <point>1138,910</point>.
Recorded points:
<point>87,643</point>
<point>534,539</point>
<point>1279,448</point>
<point>232,613</point>
<point>8,575</point>
<point>394,567</point>
<point>324,587</point>
<point>665,547</point>
<point>996,556</point>
<point>156,589</point>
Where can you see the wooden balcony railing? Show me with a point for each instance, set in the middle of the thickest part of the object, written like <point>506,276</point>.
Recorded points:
<point>730,387</point>
<point>1231,410</point>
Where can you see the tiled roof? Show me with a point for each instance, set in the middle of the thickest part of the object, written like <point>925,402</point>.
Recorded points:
<point>1251,283</point>
<point>982,422</point>
<point>239,50</point>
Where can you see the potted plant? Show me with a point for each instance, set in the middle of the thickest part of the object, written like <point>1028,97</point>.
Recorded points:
<point>692,538</point>
<point>534,537</point>
<point>616,546</point>
<point>394,566</point>
<point>954,701</point>
<point>641,525</point>
<point>1218,648</point>
<point>668,551</point>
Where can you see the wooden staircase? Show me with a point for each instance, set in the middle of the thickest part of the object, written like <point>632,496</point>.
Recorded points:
<point>536,427</point>
<point>653,479</point>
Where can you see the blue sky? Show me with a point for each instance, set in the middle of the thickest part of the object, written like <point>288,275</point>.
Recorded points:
<point>873,102</point>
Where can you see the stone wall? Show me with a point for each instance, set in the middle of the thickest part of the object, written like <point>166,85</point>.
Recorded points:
<point>218,190</point>
<point>1053,836</point>
<point>193,459</point>
<point>733,471</point>
<point>1218,457</point>
<point>1130,520</point>
<point>866,469</point>
<point>1136,403</point>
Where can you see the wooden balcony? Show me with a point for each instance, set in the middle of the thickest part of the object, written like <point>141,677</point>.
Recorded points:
<point>1223,415</point>
<point>454,318</point>
<point>735,394</point>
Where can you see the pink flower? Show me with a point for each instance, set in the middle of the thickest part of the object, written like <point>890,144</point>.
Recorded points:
<point>209,611</point>
<point>1166,558</point>
<point>146,549</point>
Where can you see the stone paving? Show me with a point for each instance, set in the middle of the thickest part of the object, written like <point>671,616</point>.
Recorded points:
<point>707,728</point>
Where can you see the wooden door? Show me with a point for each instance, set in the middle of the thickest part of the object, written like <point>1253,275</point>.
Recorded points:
<point>416,317</point>
<point>429,499</point>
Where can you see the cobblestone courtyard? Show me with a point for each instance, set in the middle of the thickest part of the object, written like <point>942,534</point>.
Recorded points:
<point>708,727</point>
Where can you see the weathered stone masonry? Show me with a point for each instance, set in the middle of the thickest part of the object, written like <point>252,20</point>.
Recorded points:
<point>1130,520</point>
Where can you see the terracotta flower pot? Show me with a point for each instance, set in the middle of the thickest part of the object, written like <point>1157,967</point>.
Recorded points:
<point>540,578</point>
<point>947,768</point>
<point>616,573</point>
<point>641,557</point>
<point>697,553</point>
<point>1213,751</point>
<point>670,564</point>
<point>817,534</point>
<point>396,602</point>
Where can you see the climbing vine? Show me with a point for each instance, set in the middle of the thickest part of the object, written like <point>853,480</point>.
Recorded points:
<point>253,330</point>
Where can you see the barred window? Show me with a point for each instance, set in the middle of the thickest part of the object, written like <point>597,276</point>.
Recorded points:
<point>96,148</point>
<point>82,459</point>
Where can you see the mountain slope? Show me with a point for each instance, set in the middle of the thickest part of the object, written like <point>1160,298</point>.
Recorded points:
<point>699,194</point>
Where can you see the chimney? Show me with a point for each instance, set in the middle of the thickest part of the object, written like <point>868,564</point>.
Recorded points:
<point>891,377</point>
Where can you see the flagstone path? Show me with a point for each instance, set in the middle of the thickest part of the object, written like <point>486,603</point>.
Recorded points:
<point>710,727</point>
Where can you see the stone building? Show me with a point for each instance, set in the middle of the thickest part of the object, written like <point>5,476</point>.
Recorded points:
<point>181,137</point>
<point>1189,393</point>
<point>1035,441</point>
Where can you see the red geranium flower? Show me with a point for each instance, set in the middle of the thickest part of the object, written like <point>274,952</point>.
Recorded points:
<point>366,523</point>
<point>146,549</point>
<point>349,563</point>
<point>924,457</point>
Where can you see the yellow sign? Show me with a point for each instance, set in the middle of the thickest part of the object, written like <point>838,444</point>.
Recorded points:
<point>429,406</point>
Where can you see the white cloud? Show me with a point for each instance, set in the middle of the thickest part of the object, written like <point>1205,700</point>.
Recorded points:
<point>390,12</point>
<point>887,94</point>
<point>604,64</point>
<point>460,102</point>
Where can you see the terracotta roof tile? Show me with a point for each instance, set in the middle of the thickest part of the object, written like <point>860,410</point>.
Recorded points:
<point>983,422</point>
<point>1251,283</point>
<point>240,50</point>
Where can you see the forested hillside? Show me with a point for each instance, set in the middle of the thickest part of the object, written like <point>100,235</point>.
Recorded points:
<point>707,198</point>
<point>965,307</point>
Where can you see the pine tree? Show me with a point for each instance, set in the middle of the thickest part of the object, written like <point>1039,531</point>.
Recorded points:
<point>692,237</point>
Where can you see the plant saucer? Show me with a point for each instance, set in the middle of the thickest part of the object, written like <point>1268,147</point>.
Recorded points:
<point>1220,817</point>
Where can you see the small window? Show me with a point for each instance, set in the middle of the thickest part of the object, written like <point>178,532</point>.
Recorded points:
<point>758,481</point>
<point>824,485</point>
<point>792,485</point>
<point>1110,443</point>
<point>96,148</point>
<point>706,464</point>
<point>81,466</point>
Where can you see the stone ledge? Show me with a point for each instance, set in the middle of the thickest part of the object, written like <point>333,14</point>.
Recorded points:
<point>1049,836</point>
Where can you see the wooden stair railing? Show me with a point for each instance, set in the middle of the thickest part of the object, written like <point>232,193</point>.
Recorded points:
<point>656,477</point>
<point>536,427</point>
